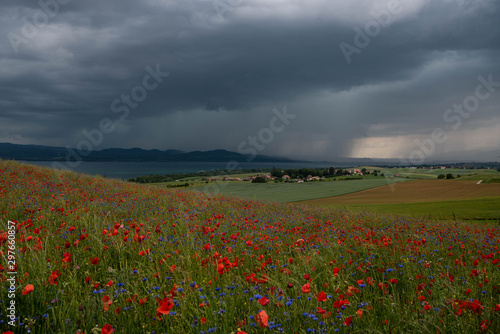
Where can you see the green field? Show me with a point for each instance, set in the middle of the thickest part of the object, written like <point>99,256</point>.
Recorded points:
<point>294,192</point>
<point>475,209</point>
<point>465,174</point>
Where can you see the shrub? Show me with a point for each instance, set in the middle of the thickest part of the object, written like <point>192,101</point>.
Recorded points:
<point>259,179</point>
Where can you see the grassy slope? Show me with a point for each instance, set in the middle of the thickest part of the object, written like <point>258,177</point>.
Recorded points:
<point>210,259</point>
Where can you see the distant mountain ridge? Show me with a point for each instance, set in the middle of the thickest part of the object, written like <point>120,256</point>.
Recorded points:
<point>50,153</point>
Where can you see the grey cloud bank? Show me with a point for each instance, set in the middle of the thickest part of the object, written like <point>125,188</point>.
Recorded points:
<point>67,65</point>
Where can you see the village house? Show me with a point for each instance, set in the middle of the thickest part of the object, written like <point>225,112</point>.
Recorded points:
<point>357,171</point>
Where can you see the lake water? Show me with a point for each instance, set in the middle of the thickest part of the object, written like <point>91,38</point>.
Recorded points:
<point>127,170</point>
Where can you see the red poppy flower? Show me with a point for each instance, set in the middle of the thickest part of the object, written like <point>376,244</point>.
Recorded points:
<point>306,288</point>
<point>348,321</point>
<point>106,302</point>
<point>359,313</point>
<point>54,276</point>
<point>341,302</point>
<point>336,271</point>
<point>94,261</point>
<point>484,325</point>
<point>165,306</point>
<point>203,321</point>
<point>3,239</point>
<point>262,319</point>
<point>28,289</point>
<point>66,257</point>
<point>107,329</point>
<point>263,301</point>
<point>220,268</point>
<point>322,296</point>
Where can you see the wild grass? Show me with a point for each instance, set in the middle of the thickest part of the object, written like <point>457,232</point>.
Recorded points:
<point>106,256</point>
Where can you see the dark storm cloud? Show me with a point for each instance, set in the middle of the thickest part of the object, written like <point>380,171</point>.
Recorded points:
<point>229,70</point>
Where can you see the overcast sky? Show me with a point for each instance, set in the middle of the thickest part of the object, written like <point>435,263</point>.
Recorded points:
<point>348,78</point>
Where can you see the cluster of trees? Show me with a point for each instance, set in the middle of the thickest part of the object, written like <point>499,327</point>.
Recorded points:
<point>448,176</point>
<point>302,173</point>
<point>259,179</point>
<point>152,179</point>
<point>178,185</point>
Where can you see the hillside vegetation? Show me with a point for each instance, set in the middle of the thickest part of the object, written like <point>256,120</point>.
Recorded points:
<point>95,255</point>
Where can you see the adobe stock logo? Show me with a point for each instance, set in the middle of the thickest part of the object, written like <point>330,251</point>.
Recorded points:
<point>40,19</point>
<point>120,106</point>
<point>224,6</point>
<point>454,118</point>
<point>254,144</point>
<point>266,135</point>
<point>363,37</point>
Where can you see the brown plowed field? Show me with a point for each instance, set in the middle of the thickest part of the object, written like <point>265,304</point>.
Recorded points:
<point>415,191</point>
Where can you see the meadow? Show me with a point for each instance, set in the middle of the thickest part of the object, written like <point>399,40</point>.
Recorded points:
<point>95,255</point>
<point>293,192</point>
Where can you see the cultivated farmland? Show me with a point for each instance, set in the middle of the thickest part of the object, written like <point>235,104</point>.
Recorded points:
<point>443,199</point>
<point>293,192</point>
